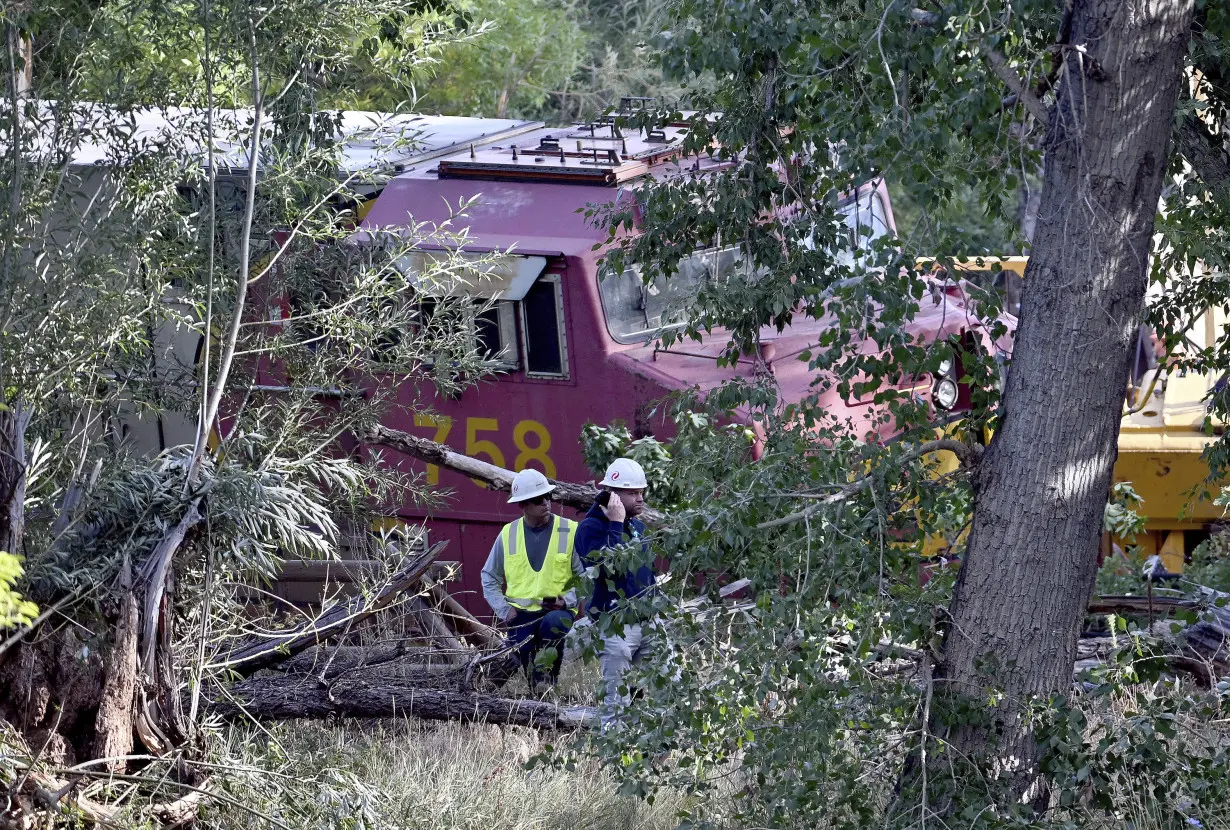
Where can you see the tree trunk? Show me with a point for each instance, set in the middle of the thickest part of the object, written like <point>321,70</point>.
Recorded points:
<point>113,726</point>
<point>1043,483</point>
<point>14,421</point>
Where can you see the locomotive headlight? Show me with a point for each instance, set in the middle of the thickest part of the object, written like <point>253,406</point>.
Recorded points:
<point>944,396</point>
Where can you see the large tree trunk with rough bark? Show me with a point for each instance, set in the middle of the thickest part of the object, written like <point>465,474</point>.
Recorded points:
<point>1043,482</point>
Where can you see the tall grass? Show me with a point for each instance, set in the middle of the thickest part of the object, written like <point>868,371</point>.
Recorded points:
<point>418,774</point>
<point>409,773</point>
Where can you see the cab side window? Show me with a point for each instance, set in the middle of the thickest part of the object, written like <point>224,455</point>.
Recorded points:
<point>542,329</point>
<point>495,330</point>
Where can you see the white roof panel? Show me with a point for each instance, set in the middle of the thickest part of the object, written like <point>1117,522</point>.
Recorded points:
<point>371,141</point>
<point>503,277</point>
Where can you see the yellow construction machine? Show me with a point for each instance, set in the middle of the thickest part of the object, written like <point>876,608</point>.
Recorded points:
<point>1166,427</point>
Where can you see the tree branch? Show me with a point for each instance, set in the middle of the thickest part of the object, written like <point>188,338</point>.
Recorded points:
<point>1033,104</point>
<point>261,652</point>
<point>1001,69</point>
<point>580,496</point>
<point>968,455</point>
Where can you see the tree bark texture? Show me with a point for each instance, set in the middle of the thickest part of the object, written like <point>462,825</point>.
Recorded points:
<point>296,696</point>
<point>14,421</point>
<point>113,726</point>
<point>1043,482</point>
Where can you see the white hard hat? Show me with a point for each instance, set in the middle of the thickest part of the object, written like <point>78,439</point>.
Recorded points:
<point>529,484</point>
<point>624,474</point>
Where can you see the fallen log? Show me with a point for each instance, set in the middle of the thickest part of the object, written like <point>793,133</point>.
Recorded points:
<point>329,663</point>
<point>1208,639</point>
<point>580,496</point>
<point>293,697</point>
<point>1201,649</point>
<point>261,652</point>
<point>435,630</point>
<point>1140,605</point>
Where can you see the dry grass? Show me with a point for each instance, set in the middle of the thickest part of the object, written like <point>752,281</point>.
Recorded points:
<point>417,774</point>
<point>408,773</point>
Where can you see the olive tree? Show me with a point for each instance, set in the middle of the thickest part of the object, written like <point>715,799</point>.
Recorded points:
<point>147,247</point>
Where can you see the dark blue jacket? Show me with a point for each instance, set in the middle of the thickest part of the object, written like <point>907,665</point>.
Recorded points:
<point>595,533</point>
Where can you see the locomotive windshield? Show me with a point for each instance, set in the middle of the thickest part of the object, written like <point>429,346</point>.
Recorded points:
<point>635,312</point>
<point>865,219</point>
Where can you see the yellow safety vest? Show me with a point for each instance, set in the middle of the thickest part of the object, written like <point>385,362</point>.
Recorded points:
<point>526,587</point>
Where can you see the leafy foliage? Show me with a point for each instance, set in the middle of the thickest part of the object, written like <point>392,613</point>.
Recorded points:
<point>516,68</point>
<point>813,701</point>
<point>14,610</point>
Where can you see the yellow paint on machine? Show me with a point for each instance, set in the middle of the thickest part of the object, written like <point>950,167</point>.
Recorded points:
<point>1164,433</point>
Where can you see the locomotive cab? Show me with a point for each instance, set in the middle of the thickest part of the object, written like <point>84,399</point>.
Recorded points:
<point>569,338</point>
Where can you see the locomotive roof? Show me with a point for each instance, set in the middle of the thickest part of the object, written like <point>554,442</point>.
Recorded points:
<point>529,193</point>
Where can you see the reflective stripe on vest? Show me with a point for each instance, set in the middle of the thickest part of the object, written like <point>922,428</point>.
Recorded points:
<point>526,587</point>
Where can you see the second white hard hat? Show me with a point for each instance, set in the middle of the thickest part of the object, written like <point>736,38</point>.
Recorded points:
<point>529,484</point>
<point>624,474</point>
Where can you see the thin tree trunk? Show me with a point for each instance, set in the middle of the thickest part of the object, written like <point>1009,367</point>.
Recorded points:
<point>113,726</point>
<point>1043,483</point>
<point>14,421</point>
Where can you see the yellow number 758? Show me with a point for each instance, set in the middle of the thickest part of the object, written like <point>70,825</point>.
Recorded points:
<point>527,455</point>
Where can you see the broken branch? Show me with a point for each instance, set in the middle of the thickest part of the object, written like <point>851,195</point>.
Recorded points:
<point>259,653</point>
<point>580,496</point>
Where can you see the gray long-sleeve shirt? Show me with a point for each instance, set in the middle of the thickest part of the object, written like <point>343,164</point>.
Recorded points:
<point>537,541</point>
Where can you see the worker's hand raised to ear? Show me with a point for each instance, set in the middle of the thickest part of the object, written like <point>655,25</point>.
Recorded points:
<point>614,509</point>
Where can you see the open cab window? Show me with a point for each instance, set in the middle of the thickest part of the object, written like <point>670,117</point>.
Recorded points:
<point>542,329</point>
<point>636,312</point>
<point>500,290</point>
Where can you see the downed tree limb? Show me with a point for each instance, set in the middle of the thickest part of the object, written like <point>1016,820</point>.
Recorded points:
<point>580,496</point>
<point>1203,647</point>
<point>462,621</point>
<point>967,454</point>
<point>330,663</point>
<point>284,698</point>
<point>1140,605</point>
<point>435,630</point>
<point>261,652</point>
<point>183,811</point>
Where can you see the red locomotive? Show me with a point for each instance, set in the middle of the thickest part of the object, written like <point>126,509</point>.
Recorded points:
<point>573,342</point>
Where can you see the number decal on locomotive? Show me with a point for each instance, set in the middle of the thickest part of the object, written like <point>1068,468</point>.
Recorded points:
<point>443,425</point>
<point>536,453</point>
<point>531,439</point>
<point>476,447</point>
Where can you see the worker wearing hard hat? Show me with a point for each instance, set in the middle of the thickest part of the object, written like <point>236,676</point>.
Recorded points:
<point>529,576</point>
<point>606,527</point>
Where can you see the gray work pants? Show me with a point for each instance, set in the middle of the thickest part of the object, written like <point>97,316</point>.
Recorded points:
<point>618,655</point>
